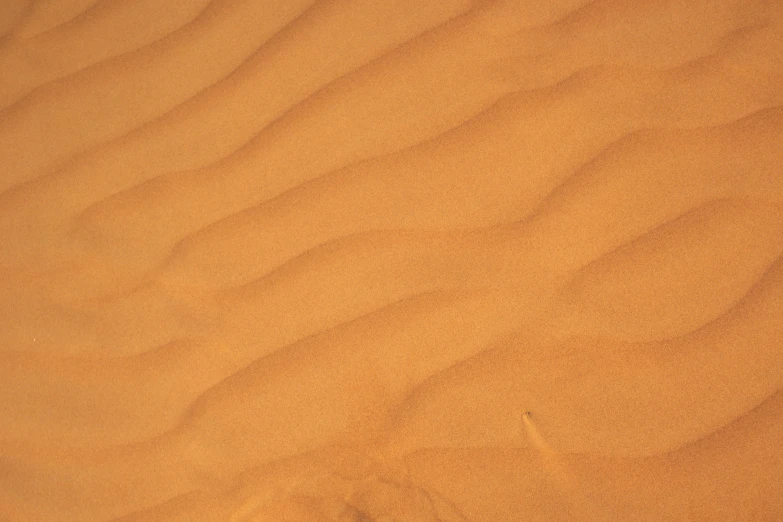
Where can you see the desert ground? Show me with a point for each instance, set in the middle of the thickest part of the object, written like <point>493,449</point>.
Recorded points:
<point>460,260</point>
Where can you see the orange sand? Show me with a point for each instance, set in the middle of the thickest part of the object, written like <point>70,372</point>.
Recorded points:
<point>303,260</point>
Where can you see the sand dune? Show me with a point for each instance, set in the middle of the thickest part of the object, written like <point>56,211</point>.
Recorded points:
<point>467,260</point>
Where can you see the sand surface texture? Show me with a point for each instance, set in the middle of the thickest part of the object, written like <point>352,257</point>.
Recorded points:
<point>459,260</point>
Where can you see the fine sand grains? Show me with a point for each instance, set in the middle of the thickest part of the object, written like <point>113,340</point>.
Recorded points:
<point>464,260</point>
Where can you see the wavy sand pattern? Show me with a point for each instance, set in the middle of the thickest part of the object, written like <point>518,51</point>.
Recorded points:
<point>465,260</point>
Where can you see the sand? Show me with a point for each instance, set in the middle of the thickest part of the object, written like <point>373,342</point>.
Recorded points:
<point>464,260</point>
